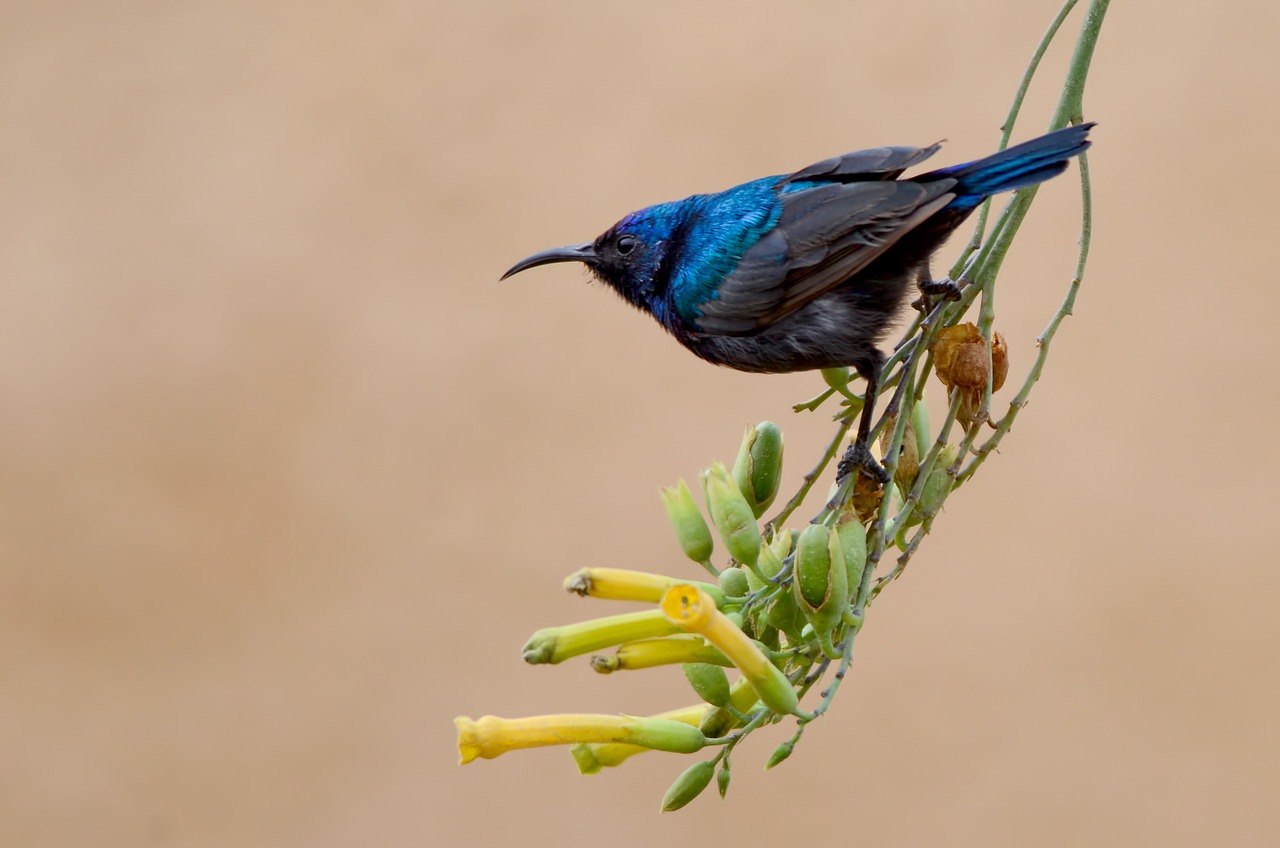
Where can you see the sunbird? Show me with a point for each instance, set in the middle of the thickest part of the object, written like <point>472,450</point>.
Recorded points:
<point>806,270</point>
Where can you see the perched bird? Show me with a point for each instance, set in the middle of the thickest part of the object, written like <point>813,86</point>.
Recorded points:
<point>805,270</point>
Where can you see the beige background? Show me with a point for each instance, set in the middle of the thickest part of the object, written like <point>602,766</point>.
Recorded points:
<point>288,477</point>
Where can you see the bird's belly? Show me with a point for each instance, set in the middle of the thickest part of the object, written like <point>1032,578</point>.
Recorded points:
<point>830,332</point>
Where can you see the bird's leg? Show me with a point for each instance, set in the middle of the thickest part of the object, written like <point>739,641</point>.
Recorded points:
<point>946,288</point>
<point>859,455</point>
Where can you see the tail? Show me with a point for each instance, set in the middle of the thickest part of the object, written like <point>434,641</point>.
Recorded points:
<point>1022,165</point>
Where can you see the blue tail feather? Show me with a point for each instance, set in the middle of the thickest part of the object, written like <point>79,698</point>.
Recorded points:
<point>1022,165</point>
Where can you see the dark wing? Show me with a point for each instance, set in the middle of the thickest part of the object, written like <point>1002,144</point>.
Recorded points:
<point>825,235</point>
<point>878,163</point>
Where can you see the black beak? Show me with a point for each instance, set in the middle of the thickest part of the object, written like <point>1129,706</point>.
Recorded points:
<point>570,253</point>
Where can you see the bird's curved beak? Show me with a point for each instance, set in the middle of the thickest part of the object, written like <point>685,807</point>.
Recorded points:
<point>585,252</point>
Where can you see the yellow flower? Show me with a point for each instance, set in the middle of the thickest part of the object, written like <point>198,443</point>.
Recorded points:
<point>620,584</point>
<point>665,650</point>
<point>694,611</point>
<point>490,736</point>
<point>557,644</point>
<point>591,757</point>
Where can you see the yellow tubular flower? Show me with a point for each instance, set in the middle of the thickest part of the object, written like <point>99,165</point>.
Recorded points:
<point>557,644</point>
<point>666,650</point>
<point>593,756</point>
<point>620,584</point>
<point>490,736</point>
<point>693,610</point>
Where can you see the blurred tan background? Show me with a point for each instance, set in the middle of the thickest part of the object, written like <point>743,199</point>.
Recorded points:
<point>288,477</point>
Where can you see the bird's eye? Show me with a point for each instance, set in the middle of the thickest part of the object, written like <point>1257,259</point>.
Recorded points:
<point>625,244</point>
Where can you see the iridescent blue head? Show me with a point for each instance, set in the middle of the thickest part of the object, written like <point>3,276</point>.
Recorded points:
<point>633,257</point>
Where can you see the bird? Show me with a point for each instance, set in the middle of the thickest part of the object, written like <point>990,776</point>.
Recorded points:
<point>807,270</point>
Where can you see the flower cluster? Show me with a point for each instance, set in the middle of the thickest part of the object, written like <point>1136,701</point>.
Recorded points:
<point>778,614</point>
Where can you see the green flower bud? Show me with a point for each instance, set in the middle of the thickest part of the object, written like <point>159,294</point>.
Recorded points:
<point>821,582</point>
<point>780,753</point>
<point>920,424</point>
<point>709,681</point>
<point>716,721</point>
<point>722,778</point>
<point>853,545</point>
<point>758,469</point>
<point>732,515</point>
<point>938,484</point>
<point>783,613</point>
<point>813,565</point>
<point>734,582</point>
<point>688,785</point>
<point>691,528</point>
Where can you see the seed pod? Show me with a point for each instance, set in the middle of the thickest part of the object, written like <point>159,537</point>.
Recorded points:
<point>963,362</point>
<point>691,528</point>
<point>732,515</point>
<point>908,455</point>
<point>723,777</point>
<point>688,785</point>
<point>709,681</point>
<point>821,582</point>
<point>960,358</point>
<point>758,469</point>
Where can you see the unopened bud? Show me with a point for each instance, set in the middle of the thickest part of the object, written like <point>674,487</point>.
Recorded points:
<point>939,482</point>
<point>688,785</point>
<point>821,582</point>
<point>853,544</point>
<point>691,528</point>
<point>734,582</point>
<point>709,682</point>
<point>758,469</point>
<point>732,515</point>
<point>780,753</point>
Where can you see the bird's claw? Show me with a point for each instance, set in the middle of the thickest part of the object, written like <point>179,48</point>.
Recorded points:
<point>945,288</point>
<point>859,458</point>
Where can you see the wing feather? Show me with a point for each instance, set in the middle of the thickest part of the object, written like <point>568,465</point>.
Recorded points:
<point>824,235</point>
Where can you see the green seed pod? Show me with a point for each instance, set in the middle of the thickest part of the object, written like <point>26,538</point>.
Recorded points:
<point>732,515</point>
<point>709,681</point>
<point>938,484</point>
<point>734,582</point>
<point>821,582</point>
<point>853,545</point>
<point>722,778</point>
<point>691,528</point>
<point>688,785</point>
<point>758,469</point>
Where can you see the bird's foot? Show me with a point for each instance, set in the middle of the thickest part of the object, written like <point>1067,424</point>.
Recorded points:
<point>859,458</point>
<point>946,289</point>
